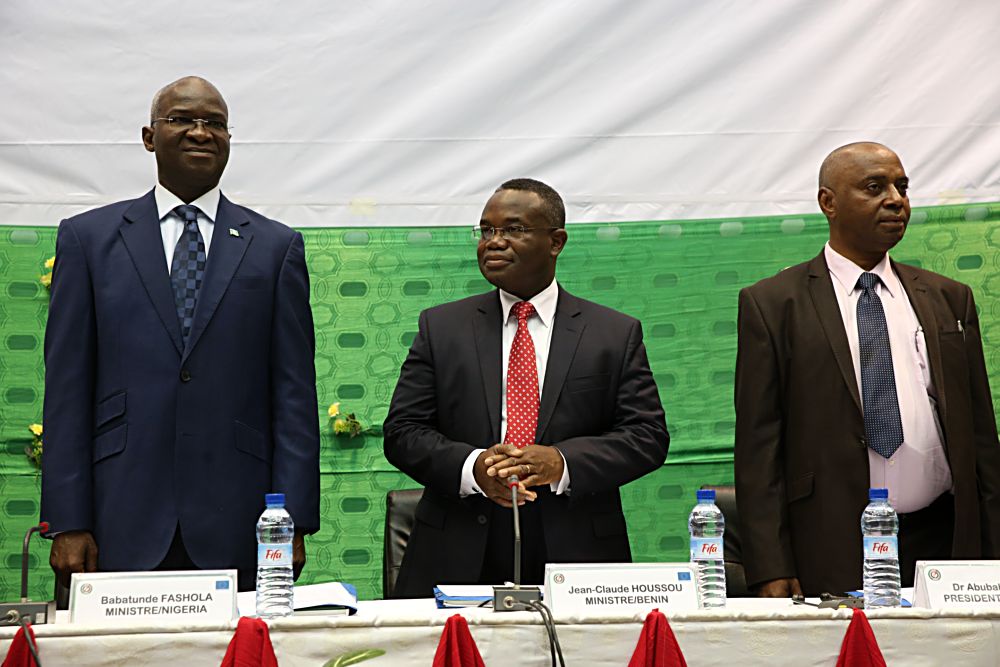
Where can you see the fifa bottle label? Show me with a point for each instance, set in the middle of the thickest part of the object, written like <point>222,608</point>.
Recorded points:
<point>881,548</point>
<point>271,555</point>
<point>706,548</point>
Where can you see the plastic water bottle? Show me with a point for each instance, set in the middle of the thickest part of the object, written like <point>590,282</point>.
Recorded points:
<point>707,525</point>
<point>879,527</point>
<point>275,531</point>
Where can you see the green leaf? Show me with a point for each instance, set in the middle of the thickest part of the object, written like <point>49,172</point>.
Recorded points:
<point>354,657</point>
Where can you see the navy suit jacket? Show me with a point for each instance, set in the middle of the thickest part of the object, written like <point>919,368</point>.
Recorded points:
<point>142,433</point>
<point>599,405</point>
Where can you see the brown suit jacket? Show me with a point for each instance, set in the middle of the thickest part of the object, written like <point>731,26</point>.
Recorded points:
<point>801,458</point>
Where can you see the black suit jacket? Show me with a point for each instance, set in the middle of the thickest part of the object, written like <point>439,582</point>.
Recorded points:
<point>802,473</point>
<point>599,405</point>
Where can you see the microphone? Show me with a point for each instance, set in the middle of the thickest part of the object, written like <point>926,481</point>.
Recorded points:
<point>42,527</point>
<point>39,613</point>
<point>512,482</point>
<point>515,598</point>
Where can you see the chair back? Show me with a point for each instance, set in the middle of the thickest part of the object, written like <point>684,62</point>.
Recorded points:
<point>400,513</point>
<point>736,580</point>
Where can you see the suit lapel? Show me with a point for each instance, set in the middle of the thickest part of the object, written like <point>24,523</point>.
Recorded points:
<point>487,326</point>
<point>568,326</point>
<point>224,258</point>
<point>825,302</point>
<point>140,232</point>
<point>916,291</point>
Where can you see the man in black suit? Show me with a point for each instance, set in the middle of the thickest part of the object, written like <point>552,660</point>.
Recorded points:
<point>832,399</point>
<point>527,380</point>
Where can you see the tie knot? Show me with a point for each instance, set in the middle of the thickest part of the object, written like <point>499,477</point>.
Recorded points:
<point>867,280</point>
<point>523,310</point>
<point>187,213</point>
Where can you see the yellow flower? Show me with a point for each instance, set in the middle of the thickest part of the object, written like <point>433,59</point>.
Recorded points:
<point>340,425</point>
<point>334,410</point>
<point>36,430</point>
<point>46,280</point>
<point>50,262</point>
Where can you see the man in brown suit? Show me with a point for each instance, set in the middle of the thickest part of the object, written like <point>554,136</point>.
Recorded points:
<point>819,421</point>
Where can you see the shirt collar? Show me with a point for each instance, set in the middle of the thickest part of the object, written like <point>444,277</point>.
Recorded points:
<point>847,272</point>
<point>167,201</point>
<point>544,303</point>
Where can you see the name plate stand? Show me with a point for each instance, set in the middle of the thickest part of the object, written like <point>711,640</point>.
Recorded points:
<point>131,598</point>
<point>619,588</point>
<point>973,584</point>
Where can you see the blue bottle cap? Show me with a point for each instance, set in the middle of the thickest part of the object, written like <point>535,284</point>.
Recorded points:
<point>706,495</point>
<point>878,494</point>
<point>274,499</point>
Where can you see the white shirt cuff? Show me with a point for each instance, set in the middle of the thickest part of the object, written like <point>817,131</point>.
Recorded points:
<point>563,485</point>
<point>468,485</point>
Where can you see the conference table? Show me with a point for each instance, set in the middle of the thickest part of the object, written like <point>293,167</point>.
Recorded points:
<point>747,632</point>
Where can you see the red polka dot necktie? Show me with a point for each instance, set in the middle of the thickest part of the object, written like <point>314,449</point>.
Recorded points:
<point>522,382</point>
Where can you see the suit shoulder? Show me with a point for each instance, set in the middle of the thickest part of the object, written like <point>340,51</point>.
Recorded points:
<point>781,282</point>
<point>607,315</point>
<point>269,226</point>
<point>98,224</point>
<point>109,215</point>
<point>460,307</point>
<point>935,279</point>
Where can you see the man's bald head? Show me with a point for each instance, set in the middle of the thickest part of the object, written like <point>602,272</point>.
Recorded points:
<point>845,158</point>
<point>863,194</point>
<point>189,133</point>
<point>184,81</point>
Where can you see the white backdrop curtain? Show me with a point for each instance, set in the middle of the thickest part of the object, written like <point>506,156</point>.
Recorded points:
<point>410,113</point>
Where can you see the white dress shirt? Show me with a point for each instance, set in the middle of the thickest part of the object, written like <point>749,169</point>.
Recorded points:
<point>172,226</point>
<point>540,329</point>
<point>917,473</point>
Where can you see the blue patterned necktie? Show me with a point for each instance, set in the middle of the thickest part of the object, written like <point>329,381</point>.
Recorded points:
<point>188,267</point>
<point>883,426</point>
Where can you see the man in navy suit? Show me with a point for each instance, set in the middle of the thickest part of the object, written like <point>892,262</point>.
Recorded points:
<point>575,417</point>
<point>179,385</point>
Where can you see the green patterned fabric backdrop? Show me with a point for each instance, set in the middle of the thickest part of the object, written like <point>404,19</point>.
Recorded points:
<point>368,285</point>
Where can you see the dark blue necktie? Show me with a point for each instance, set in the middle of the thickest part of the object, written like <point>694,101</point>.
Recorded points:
<point>188,267</point>
<point>883,426</point>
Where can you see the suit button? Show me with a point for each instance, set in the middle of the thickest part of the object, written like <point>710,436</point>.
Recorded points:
<point>481,519</point>
<point>185,375</point>
<point>864,442</point>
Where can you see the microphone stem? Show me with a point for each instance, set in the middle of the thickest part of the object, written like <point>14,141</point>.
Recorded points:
<point>24,563</point>
<point>517,538</point>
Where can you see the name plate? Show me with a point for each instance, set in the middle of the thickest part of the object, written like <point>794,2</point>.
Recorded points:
<point>130,598</point>
<point>602,588</point>
<point>972,584</point>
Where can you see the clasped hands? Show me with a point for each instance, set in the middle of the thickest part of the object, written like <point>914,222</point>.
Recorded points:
<point>534,465</point>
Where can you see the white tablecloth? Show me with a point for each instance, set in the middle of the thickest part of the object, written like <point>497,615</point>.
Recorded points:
<point>747,632</point>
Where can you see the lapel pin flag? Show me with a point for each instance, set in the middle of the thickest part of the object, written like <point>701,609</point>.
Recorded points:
<point>233,232</point>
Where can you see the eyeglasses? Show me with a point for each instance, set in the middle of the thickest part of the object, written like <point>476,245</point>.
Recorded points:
<point>484,233</point>
<point>185,124</point>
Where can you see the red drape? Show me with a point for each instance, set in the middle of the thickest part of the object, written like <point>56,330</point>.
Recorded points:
<point>250,646</point>
<point>457,648</point>
<point>657,645</point>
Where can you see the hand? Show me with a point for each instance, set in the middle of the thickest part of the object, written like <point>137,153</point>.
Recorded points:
<point>73,551</point>
<point>534,465</point>
<point>298,554</point>
<point>779,588</point>
<point>495,488</point>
